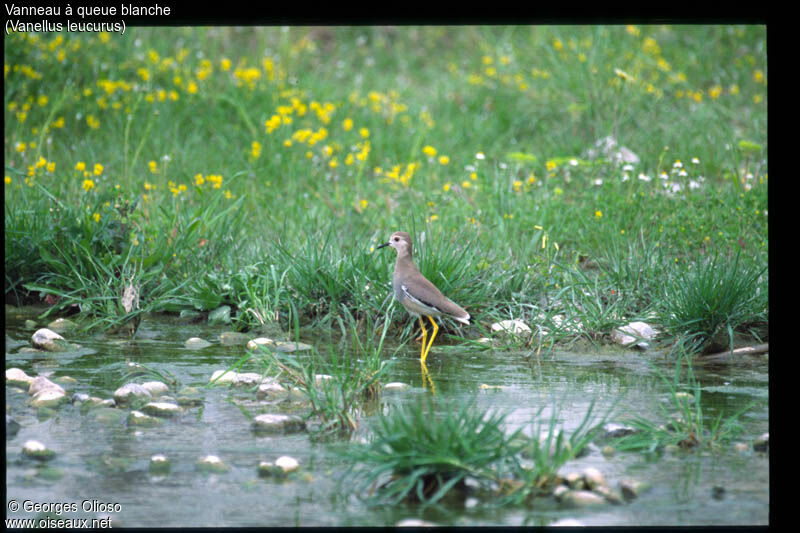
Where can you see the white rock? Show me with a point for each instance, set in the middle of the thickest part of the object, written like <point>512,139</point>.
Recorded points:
<point>634,334</point>
<point>155,388</point>
<point>48,398</point>
<point>36,450</point>
<point>396,386</point>
<point>41,383</point>
<point>593,478</point>
<point>138,418</point>
<point>196,343</point>
<point>163,409</point>
<point>581,498</point>
<point>270,388</point>
<point>247,379</point>
<point>513,327</point>
<point>259,341</point>
<point>159,463</point>
<point>287,464</point>
<point>131,391</point>
<point>49,340</point>
<point>18,377</point>
<point>211,463</point>
<point>278,423</point>
<point>222,377</point>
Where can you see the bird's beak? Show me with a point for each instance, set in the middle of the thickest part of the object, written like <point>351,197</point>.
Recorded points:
<point>382,245</point>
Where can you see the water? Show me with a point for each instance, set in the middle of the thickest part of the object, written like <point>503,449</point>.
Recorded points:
<point>100,460</point>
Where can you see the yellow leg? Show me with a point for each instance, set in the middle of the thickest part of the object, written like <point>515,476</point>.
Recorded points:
<point>430,343</point>
<point>426,377</point>
<point>424,336</point>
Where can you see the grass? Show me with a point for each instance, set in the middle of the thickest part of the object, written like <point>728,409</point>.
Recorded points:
<point>222,166</point>
<point>422,452</point>
<point>685,423</point>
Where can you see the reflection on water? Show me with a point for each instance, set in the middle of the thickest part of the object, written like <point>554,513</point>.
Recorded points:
<point>100,458</point>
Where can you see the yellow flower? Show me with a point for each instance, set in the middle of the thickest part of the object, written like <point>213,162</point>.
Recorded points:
<point>758,76</point>
<point>466,184</point>
<point>433,218</point>
<point>550,165</point>
<point>42,100</point>
<point>349,159</point>
<point>225,64</point>
<point>598,214</point>
<point>59,122</point>
<point>104,37</point>
<point>92,122</point>
<point>429,150</point>
<point>517,185</point>
<point>153,166</point>
<point>80,166</point>
<point>558,45</point>
<point>51,166</point>
<point>191,88</point>
<point>21,147</point>
<point>88,185</point>
<point>633,30</point>
<point>287,143</point>
<point>347,124</point>
<point>443,160</point>
<point>143,73</point>
<point>446,187</point>
<point>98,169</point>
<point>8,180</point>
<point>255,149</point>
<point>96,217</point>
<point>363,203</point>
<point>364,132</point>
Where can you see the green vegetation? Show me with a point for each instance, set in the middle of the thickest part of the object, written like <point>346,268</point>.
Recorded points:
<point>258,168</point>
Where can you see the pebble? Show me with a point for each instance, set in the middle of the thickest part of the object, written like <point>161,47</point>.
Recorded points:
<point>761,444</point>
<point>247,379</point>
<point>574,480</point>
<point>196,343</point>
<point>593,478</point>
<point>159,464</point>
<point>48,398</point>
<point>581,498</point>
<point>138,418</point>
<point>396,386</point>
<point>36,450</point>
<point>189,397</point>
<point>233,338</point>
<point>631,488</point>
<point>269,388</point>
<point>211,463</point>
<point>613,430</point>
<point>278,423</point>
<point>131,392</point>
<point>162,409</point>
<point>612,496</point>
<point>259,341</point>
<point>49,340</point>
<point>41,383</point>
<point>222,377</point>
<point>631,335</point>
<point>155,388</point>
<point>282,346</point>
<point>18,377</point>
<point>282,466</point>
<point>514,327</point>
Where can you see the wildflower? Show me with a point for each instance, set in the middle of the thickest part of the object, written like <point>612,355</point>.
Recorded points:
<point>21,147</point>
<point>88,185</point>
<point>92,122</point>
<point>98,169</point>
<point>598,214</point>
<point>51,166</point>
<point>466,184</point>
<point>429,150</point>
<point>191,88</point>
<point>255,149</point>
<point>558,45</point>
<point>363,203</point>
<point>199,179</point>
<point>287,143</point>
<point>364,132</point>
<point>696,161</point>
<point>758,76</point>
<point>558,191</point>
<point>632,30</point>
<point>443,160</point>
<point>517,185</point>
<point>96,217</point>
<point>433,218</point>
<point>531,179</point>
<point>153,166</point>
<point>347,124</point>
<point>446,187</point>
<point>480,155</point>
<point>715,91</point>
<point>42,100</point>
<point>8,180</point>
<point>349,159</point>
<point>59,122</point>
<point>143,73</point>
<point>677,164</point>
<point>80,166</point>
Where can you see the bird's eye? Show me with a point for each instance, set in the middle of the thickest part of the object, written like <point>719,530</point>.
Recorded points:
<point>397,239</point>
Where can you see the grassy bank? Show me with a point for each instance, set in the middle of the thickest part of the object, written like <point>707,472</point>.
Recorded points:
<point>260,167</point>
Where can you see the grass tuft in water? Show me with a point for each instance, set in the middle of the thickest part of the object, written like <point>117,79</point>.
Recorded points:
<point>684,423</point>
